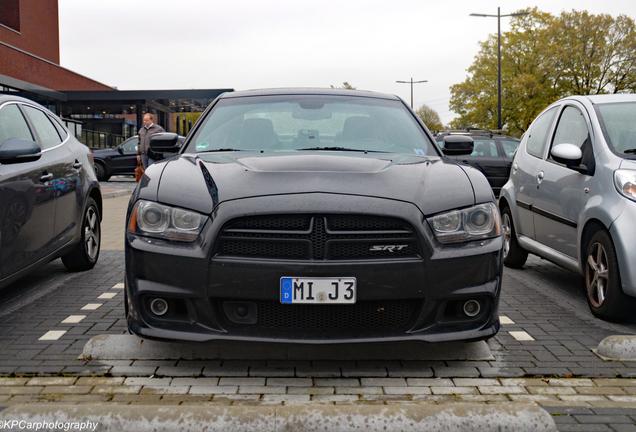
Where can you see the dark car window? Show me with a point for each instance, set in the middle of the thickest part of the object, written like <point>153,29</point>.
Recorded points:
<point>538,133</point>
<point>289,123</point>
<point>43,127</point>
<point>130,145</point>
<point>509,147</point>
<point>572,129</point>
<point>13,124</point>
<point>484,148</point>
<point>60,129</point>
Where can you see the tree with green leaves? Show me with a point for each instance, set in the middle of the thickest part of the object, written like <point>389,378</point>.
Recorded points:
<point>545,58</point>
<point>430,117</point>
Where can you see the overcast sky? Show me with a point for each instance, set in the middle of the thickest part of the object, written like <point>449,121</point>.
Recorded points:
<point>242,44</point>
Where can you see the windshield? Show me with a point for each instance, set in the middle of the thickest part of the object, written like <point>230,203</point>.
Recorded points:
<point>618,121</point>
<point>306,122</point>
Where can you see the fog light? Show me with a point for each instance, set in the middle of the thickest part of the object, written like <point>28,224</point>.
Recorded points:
<point>158,306</point>
<point>241,310</point>
<point>472,308</point>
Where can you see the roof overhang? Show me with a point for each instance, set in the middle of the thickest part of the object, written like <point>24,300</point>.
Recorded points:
<point>130,96</point>
<point>27,87</point>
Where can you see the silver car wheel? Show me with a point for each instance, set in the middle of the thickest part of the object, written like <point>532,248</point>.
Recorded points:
<point>507,232</point>
<point>597,275</point>
<point>91,233</point>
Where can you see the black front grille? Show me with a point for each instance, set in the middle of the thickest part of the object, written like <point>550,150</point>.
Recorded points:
<point>389,315</point>
<point>318,237</point>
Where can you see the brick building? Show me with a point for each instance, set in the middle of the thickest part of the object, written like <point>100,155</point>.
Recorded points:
<point>30,50</point>
<point>29,67</point>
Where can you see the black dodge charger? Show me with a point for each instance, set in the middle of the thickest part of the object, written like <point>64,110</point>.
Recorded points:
<point>312,216</point>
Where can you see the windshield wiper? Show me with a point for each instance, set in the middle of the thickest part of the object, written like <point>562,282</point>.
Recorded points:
<point>220,150</point>
<point>341,149</point>
<point>630,151</point>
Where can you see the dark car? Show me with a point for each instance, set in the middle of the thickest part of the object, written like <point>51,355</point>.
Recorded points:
<point>50,201</point>
<point>120,160</point>
<point>492,154</point>
<point>312,216</point>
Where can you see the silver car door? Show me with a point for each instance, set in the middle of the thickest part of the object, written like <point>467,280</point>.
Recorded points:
<point>563,192</point>
<point>525,170</point>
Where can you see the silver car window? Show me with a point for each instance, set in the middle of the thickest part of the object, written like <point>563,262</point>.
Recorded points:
<point>538,133</point>
<point>572,128</point>
<point>619,127</point>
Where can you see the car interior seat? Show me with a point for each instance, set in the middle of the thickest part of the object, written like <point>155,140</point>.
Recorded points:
<point>258,134</point>
<point>357,128</point>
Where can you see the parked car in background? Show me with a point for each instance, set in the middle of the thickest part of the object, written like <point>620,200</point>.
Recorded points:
<point>50,201</point>
<point>571,197</point>
<point>312,216</point>
<point>492,154</point>
<point>120,160</point>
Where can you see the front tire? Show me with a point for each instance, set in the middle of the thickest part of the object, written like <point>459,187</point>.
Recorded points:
<point>85,254</point>
<point>605,297</point>
<point>514,255</point>
<point>100,172</point>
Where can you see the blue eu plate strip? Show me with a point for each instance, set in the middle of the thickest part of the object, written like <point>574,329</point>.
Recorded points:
<point>286,290</point>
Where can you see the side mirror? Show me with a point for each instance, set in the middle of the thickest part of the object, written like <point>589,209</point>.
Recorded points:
<point>164,142</point>
<point>120,150</point>
<point>567,154</point>
<point>15,150</point>
<point>458,145</point>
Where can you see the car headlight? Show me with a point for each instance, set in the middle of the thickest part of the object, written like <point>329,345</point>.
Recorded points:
<point>625,181</point>
<point>475,223</point>
<point>158,220</point>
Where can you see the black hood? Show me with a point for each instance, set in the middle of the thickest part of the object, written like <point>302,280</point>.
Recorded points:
<point>200,182</point>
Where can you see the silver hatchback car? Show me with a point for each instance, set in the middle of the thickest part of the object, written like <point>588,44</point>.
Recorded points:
<point>571,197</point>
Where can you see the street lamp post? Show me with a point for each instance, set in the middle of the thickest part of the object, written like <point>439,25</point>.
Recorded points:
<point>412,82</point>
<point>499,16</point>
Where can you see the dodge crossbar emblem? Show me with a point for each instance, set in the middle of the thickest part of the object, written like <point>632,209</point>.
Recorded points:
<point>389,248</point>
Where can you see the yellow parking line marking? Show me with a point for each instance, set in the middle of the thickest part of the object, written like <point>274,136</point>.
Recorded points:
<point>73,319</point>
<point>119,285</point>
<point>107,296</point>
<point>91,306</point>
<point>52,335</point>
<point>503,319</point>
<point>521,335</point>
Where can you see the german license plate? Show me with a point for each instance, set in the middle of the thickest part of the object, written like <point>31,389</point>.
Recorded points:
<point>324,290</point>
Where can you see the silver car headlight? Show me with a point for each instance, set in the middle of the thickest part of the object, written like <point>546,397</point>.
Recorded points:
<point>152,219</point>
<point>625,181</point>
<point>474,223</point>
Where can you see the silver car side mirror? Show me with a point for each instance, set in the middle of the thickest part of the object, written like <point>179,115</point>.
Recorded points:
<point>567,154</point>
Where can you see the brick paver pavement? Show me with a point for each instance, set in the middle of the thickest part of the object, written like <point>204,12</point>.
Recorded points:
<point>556,368</point>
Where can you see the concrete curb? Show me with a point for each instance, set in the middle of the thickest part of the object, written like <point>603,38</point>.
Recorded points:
<point>617,348</point>
<point>115,193</point>
<point>127,347</point>
<point>517,417</point>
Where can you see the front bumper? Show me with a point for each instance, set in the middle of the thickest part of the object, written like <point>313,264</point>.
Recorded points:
<point>397,299</point>
<point>623,232</point>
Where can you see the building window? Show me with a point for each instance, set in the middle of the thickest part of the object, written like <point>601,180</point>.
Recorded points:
<point>10,14</point>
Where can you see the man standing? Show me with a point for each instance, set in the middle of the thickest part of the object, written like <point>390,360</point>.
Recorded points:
<point>149,129</point>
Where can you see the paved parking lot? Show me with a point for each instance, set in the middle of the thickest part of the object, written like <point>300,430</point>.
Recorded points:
<point>543,353</point>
